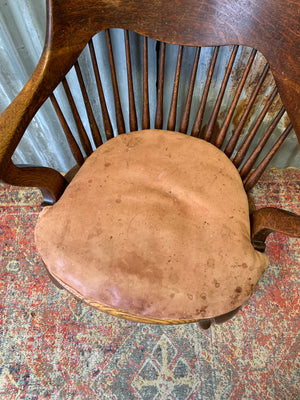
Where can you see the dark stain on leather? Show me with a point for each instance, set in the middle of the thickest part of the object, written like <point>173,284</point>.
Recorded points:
<point>134,264</point>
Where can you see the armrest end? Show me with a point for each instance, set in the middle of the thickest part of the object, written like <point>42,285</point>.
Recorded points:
<point>267,220</point>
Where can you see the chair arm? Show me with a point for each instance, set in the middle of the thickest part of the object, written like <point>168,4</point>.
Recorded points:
<point>267,220</point>
<point>51,183</point>
<point>17,116</point>
<point>51,69</point>
<point>13,124</point>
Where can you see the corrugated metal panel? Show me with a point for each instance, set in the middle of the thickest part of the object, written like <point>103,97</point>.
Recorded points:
<point>22,31</point>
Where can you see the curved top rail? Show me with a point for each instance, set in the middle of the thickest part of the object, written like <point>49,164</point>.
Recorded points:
<point>272,27</point>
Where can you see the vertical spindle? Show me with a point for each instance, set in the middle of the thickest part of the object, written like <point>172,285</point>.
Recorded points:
<point>160,86</point>
<point>172,114</point>
<point>105,115</point>
<point>118,108</point>
<point>146,112</point>
<point>94,128</point>
<point>259,147</point>
<point>187,108</point>
<point>81,130</point>
<point>223,130</point>
<point>254,177</point>
<point>209,131</point>
<point>238,130</point>
<point>199,117</point>
<point>67,131</point>
<point>132,111</point>
<point>238,159</point>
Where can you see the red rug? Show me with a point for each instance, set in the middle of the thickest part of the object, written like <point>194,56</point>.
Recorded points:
<point>54,347</point>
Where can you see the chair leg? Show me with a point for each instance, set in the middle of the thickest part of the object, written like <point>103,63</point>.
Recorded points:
<point>225,317</point>
<point>206,323</point>
<point>56,283</point>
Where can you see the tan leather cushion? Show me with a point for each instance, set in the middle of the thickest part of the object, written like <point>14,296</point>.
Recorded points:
<point>155,224</point>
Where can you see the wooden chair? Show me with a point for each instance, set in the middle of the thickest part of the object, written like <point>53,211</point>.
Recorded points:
<point>270,27</point>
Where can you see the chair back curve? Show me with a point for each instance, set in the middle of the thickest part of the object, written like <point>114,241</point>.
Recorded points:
<point>272,28</point>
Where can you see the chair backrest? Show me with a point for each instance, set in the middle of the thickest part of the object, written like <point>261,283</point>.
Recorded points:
<point>272,28</point>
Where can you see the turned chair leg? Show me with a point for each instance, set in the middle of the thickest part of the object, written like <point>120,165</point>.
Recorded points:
<point>206,323</point>
<point>56,283</point>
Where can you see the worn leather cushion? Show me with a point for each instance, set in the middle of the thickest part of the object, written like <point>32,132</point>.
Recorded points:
<point>155,224</point>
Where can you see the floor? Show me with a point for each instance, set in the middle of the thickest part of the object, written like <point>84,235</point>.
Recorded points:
<point>54,347</point>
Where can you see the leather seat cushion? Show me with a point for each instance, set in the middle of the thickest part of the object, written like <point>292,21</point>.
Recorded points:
<point>154,225</point>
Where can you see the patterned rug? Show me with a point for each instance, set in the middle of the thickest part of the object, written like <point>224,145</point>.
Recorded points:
<point>54,347</point>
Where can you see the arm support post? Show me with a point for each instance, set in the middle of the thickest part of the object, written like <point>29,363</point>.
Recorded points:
<point>267,220</point>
